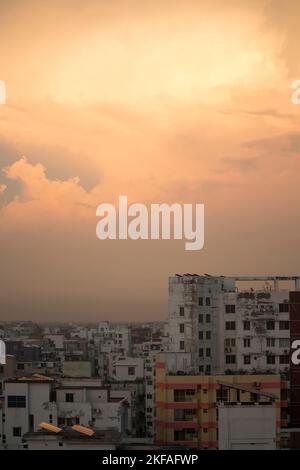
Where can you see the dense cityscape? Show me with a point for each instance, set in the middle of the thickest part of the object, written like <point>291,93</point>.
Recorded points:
<point>215,375</point>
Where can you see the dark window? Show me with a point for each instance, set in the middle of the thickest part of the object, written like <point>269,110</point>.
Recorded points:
<point>17,432</point>
<point>131,370</point>
<point>230,308</point>
<point>247,360</point>
<point>184,415</point>
<point>149,410</point>
<point>246,325</point>
<point>201,318</point>
<point>284,359</point>
<point>200,301</point>
<point>16,401</point>
<point>200,334</point>
<point>181,311</point>
<point>208,335</point>
<point>230,359</point>
<point>20,366</point>
<point>181,328</point>
<point>208,369</point>
<point>201,352</point>
<point>270,342</point>
<point>283,308</point>
<point>284,325</point>
<point>183,395</point>
<point>271,359</point>
<point>207,301</point>
<point>207,318</point>
<point>247,343</point>
<point>69,397</point>
<point>230,325</point>
<point>208,352</point>
<point>270,325</point>
<point>181,345</point>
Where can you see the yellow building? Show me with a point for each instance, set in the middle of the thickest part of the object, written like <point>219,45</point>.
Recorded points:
<point>187,406</point>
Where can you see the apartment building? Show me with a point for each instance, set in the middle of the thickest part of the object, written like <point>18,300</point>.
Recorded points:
<point>29,401</point>
<point>228,327</point>
<point>188,407</point>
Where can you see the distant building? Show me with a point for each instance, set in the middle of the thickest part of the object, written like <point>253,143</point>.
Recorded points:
<point>227,329</point>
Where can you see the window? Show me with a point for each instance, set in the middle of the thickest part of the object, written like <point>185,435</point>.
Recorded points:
<point>208,352</point>
<point>181,345</point>
<point>270,325</point>
<point>200,334</point>
<point>247,360</point>
<point>201,352</point>
<point>230,325</point>
<point>230,308</point>
<point>184,415</point>
<point>200,301</point>
<point>270,342</point>
<point>208,335</point>
<point>283,308</point>
<point>207,301</point>
<point>149,410</point>
<point>247,342</point>
<point>284,342</point>
<point>131,370</point>
<point>181,328</point>
<point>271,359</point>
<point>246,325</point>
<point>16,401</point>
<point>17,432</point>
<point>149,396</point>
<point>181,395</point>
<point>207,318</point>
<point>149,369</point>
<point>230,342</point>
<point>230,359</point>
<point>284,325</point>
<point>181,311</point>
<point>201,318</point>
<point>284,359</point>
<point>222,394</point>
<point>20,366</point>
<point>69,397</point>
<point>208,369</point>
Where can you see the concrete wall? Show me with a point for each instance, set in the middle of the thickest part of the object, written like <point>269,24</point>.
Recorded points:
<point>247,427</point>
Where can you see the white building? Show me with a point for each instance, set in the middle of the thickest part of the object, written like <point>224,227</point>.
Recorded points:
<point>27,403</point>
<point>247,427</point>
<point>227,329</point>
<point>122,368</point>
<point>113,338</point>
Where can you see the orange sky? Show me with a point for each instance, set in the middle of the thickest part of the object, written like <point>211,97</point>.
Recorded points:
<point>165,101</point>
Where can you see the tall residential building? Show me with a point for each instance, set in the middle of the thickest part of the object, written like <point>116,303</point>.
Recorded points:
<point>229,328</point>
<point>192,409</point>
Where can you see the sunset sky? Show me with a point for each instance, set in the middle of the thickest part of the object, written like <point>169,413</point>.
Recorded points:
<point>163,101</point>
